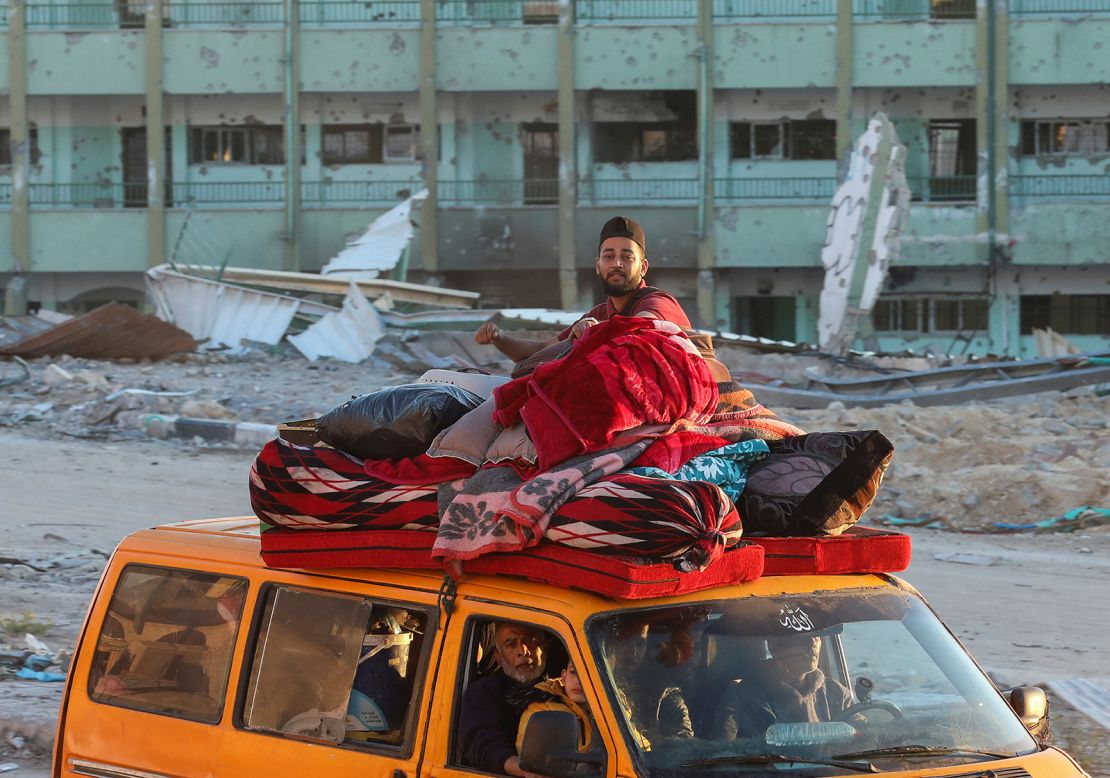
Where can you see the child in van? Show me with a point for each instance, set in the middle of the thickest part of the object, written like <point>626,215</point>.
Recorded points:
<point>562,693</point>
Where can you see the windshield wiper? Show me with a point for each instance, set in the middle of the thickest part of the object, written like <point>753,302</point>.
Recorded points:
<point>866,767</point>
<point>916,750</point>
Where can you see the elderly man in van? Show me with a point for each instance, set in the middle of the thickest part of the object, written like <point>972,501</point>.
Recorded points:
<point>489,719</point>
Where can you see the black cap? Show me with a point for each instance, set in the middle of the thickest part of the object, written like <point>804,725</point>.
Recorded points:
<point>623,227</point>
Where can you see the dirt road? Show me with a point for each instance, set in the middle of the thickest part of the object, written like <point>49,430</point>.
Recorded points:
<point>1031,608</point>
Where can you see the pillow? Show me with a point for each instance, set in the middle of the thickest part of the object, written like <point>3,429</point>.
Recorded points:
<point>815,484</point>
<point>469,437</point>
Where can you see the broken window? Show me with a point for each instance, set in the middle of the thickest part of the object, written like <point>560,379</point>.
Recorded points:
<point>402,142</point>
<point>166,643</point>
<point>6,146</point>
<point>952,159</point>
<point>1065,137</point>
<point>365,659</point>
<point>261,145</point>
<point>347,144</point>
<point>644,142</point>
<point>952,9</point>
<point>540,11</point>
<point>1068,314</point>
<point>923,315</point>
<point>803,139</point>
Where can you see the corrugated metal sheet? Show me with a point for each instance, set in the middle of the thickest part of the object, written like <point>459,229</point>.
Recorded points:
<point>14,329</point>
<point>112,331</point>
<point>380,247</point>
<point>349,335</point>
<point>222,315</point>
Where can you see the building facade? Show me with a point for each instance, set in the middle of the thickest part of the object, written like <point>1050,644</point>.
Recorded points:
<point>266,133</point>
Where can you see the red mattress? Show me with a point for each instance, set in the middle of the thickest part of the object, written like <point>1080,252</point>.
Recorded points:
<point>857,550</point>
<point>615,576</point>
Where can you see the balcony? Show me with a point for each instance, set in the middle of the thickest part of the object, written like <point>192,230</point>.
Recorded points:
<point>1062,187</point>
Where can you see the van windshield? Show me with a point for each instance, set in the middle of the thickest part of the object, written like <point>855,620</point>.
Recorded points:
<point>821,684</point>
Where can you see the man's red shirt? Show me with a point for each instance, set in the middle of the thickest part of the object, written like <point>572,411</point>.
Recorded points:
<point>659,303</point>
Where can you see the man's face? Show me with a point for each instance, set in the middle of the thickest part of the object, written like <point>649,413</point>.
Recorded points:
<point>621,265</point>
<point>797,656</point>
<point>520,651</point>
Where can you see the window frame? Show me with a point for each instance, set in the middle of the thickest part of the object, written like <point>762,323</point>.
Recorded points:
<point>413,131</point>
<point>788,141</point>
<point>424,666</point>
<point>7,161</point>
<point>375,139</point>
<point>221,710</point>
<point>926,314</point>
<point>226,135</point>
<point>1032,131</point>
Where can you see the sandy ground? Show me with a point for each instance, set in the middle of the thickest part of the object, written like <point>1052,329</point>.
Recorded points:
<point>1030,607</point>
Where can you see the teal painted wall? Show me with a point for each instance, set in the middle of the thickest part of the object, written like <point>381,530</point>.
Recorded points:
<point>774,55</point>
<point>215,61</point>
<point>84,62</point>
<point>634,58</point>
<point>252,237</point>
<point>496,58</point>
<point>770,236</point>
<point>362,61</point>
<point>325,233</point>
<point>91,240</point>
<point>7,261</point>
<point>1061,233</point>
<point>938,235</point>
<point>1054,51</point>
<point>4,85</point>
<point>914,54</point>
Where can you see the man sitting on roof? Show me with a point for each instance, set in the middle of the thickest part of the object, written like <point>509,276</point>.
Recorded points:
<point>621,264</point>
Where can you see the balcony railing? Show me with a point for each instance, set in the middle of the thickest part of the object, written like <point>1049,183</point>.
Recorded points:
<point>517,192</point>
<point>1063,186</point>
<point>353,12</point>
<point>641,10</point>
<point>732,189</point>
<point>633,190</point>
<point>935,189</point>
<point>331,194</point>
<point>933,10</point>
<point>765,9</point>
<point>1058,7</point>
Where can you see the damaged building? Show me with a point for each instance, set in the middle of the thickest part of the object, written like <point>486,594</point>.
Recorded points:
<point>268,134</point>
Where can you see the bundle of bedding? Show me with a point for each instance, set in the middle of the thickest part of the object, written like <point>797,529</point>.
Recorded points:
<point>594,452</point>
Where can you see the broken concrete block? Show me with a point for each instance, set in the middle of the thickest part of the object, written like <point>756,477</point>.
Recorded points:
<point>55,375</point>
<point>92,379</point>
<point>207,409</point>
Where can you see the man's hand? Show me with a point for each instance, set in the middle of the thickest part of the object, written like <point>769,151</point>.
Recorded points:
<point>488,333</point>
<point>580,327</point>
<point>512,767</point>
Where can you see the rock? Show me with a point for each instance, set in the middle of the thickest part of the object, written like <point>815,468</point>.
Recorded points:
<point>55,375</point>
<point>207,409</point>
<point>91,378</point>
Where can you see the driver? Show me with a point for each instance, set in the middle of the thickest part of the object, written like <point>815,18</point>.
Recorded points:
<point>792,688</point>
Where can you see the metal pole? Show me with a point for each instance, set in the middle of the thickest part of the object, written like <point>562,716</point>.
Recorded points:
<point>429,139</point>
<point>568,162</point>
<point>707,278</point>
<point>845,63</point>
<point>292,120</point>
<point>155,136</point>
<point>15,295</point>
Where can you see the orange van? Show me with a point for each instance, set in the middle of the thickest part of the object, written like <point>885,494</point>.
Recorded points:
<point>197,660</point>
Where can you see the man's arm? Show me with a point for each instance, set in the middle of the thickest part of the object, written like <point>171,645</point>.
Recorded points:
<point>486,728</point>
<point>515,349</point>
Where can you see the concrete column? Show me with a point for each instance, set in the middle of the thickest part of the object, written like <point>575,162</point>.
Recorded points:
<point>429,138</point>
<point>292,63</point>
<point>707,212</point>
<point>568,168</point>
<point>155,136</point>
<point>1001,113</point>
<point>15,295</point>
<point>845,62</point>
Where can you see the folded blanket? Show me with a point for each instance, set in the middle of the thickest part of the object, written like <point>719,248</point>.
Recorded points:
<point>623,374</point>
<point>727,467</point>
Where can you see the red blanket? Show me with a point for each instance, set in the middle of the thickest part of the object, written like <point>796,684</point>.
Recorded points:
<point>625,373</point>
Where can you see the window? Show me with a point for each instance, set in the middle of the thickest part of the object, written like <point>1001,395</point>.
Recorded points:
<point>922,315</point>
<point>260,145</point>
<point>952,9</point>
<point>402,142</point>
<point>6,146</point>
<point>621,142</point>
<point>370,144</point>
<point>166,641</point>
<point>952,159</point>
<point>1068,314</point>
<point>335,668</point>
<point>806,139</point>
<point>1065,137</point>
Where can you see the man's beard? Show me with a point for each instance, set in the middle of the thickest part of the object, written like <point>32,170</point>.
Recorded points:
<point>620,285</point>
<point>524,674</point>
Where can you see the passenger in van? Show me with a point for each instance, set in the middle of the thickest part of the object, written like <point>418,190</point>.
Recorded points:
<point>792,687</point>
<point>562,693</point>
<point>489,719</point>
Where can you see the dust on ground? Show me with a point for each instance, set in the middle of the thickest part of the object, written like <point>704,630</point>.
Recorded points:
<point>82,473</point>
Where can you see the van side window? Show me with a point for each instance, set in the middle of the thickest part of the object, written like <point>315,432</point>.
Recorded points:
<point>166,642</point>
<point>335,668</point>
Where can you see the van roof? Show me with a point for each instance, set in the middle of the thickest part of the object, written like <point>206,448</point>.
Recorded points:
<point>234,541</point>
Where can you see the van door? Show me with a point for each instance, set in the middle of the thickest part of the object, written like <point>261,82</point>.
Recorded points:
<point>332,680</point>
<point>467,657</point>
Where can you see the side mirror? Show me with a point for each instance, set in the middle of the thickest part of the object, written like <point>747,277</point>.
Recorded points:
<point>550,747</point>
<point>1031,706</point>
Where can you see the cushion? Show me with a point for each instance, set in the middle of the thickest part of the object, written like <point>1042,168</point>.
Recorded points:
<point>857,550</point>
<point>469,437</point>
<point>313,488</point>
<point>408,549</point>
<point>815,484</point>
